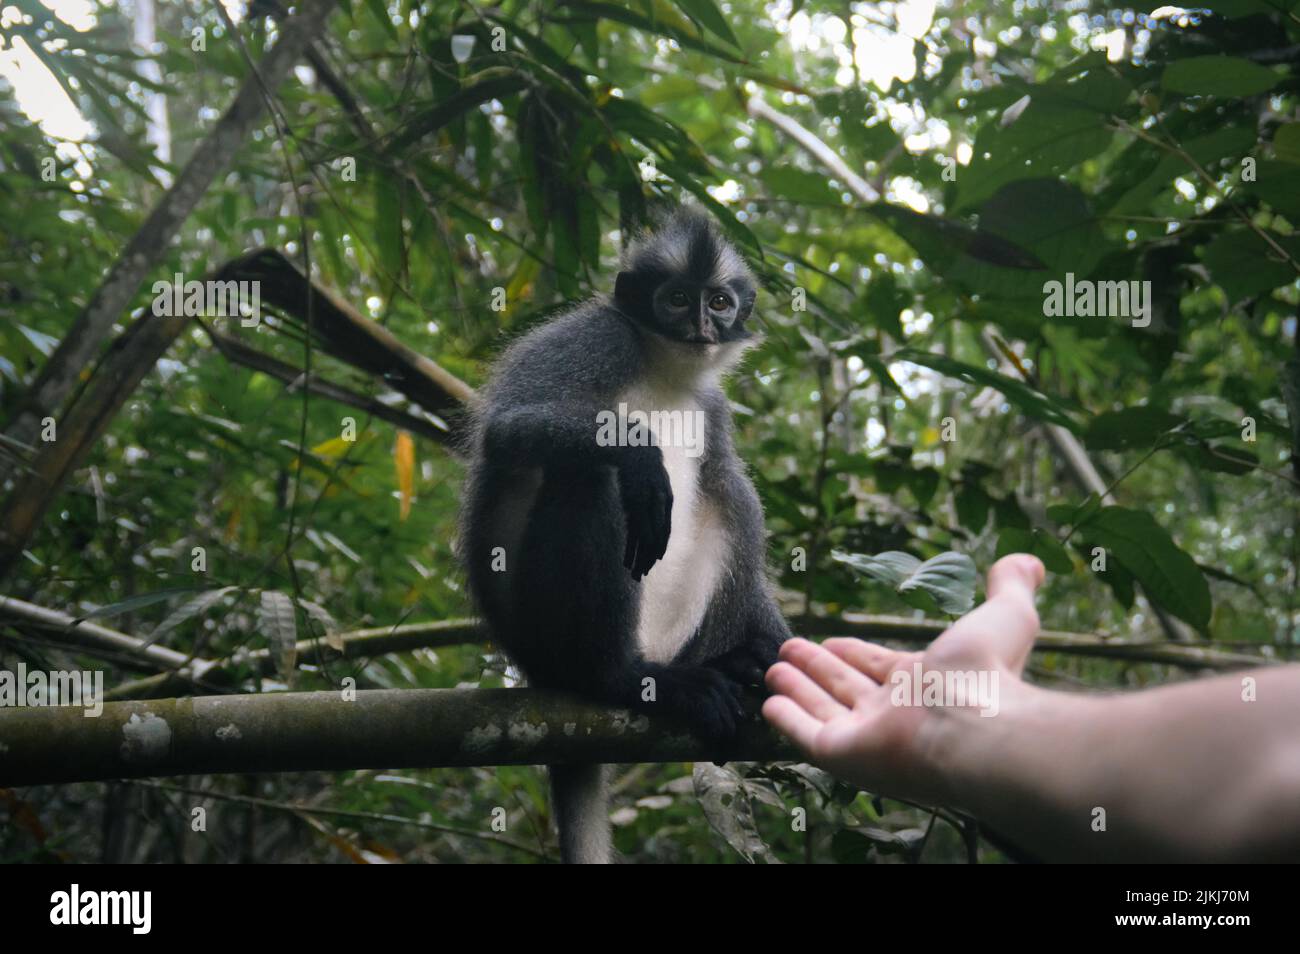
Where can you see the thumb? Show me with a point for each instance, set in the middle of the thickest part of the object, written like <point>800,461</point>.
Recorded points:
<point>1016,576</point>
<point>1005,624</point>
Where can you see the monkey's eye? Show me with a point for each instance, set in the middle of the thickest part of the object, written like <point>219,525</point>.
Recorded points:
<point>678,299</point>
<point>719,303</point>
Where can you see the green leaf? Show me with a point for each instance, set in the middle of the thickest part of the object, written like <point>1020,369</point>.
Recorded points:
<point>1139,426</point>
<point>388,230</point>
<point>589,230</point>
<point>567,255</point>
<point>1275,184</point>
<point>379,9</point>
<point>799,185</point>
<point>633,119</point>
<point>1243,264</point>
<point>921,481</point>
<point>279,624</point>
<point>853,846</point>
<point>1119,580</point>
<point>186,611</point>
<point>943,242</point>
<point>1040,543</point>
<point>710,17</point>
<point>724,797</point>
<point>972,505</point>
<point>1234,142</point>
<point>134,603</point>
<point>1034,403</point>
<point>1217,75</point>
<point>1070,515</point>
<point>1169,575</point>
<point>1029,231</point>
<point>1286,143</point>
<point>884,302</point>
<point>446,110</point>
<point>892,566</point>
<point>849,847</point>
<point>1066,121</point>
<point>1050,220</point>
<point>578,11</point>
<point>946,582</point>
<point>1015,540</point>
<point>668,89</point>
<point>1221,458</point>
<point>949,579</point>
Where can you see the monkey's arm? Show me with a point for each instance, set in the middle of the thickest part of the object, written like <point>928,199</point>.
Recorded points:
<point>762,636</point>
<point>551,434</point>
<point>559,437</point>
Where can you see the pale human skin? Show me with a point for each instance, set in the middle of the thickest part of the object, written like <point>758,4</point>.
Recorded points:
<point>1184,772</point>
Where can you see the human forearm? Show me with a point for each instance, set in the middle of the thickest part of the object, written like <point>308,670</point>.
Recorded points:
<point>1185,772</point>
<point>1203,770</point>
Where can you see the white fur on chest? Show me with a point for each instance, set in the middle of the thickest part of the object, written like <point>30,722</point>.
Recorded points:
<point>676,593</point>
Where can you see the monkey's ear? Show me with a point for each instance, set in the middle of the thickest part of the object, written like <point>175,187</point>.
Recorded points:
<point>746,307</point>
<point>746,295</point>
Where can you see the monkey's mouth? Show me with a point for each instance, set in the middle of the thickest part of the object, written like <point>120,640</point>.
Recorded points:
<point>697,340</point>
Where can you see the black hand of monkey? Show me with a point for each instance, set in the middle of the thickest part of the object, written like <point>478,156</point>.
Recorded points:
<point>647,497</point>
<point>748,664</point>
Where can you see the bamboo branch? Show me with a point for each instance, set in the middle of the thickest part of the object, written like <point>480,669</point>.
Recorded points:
<point>814,146</point>
<point>75,632</point>
<point>182,675</point>
<point>360,644</point>
<point>237,352</point>
<point>324,731</point>
<point>379,641</point>
<point>350,336</point>
<point>923,631</point>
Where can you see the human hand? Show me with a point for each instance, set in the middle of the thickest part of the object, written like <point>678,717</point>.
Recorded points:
<point>839,701</point>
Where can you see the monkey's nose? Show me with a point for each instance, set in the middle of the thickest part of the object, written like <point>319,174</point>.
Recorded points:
<point>702,331</point>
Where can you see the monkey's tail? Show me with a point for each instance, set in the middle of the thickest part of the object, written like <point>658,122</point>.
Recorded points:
<point>580,801</point>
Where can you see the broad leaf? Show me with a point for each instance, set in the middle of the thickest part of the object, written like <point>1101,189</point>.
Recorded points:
<point>1168,574</point>
<point>1215,75</point>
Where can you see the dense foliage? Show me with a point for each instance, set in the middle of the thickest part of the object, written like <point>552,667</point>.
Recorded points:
<point>1021,142</point>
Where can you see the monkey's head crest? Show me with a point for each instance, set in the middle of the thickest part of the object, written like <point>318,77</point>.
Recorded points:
<point>685,282</point>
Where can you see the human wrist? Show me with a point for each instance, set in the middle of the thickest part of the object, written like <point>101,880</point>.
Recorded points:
<point>978,758</point>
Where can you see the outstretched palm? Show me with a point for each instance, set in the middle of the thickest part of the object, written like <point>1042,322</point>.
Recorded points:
<point>834,700</point>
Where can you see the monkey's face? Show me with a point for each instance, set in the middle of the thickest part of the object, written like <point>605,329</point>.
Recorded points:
<point>687,284</point>
<point>699,314</point>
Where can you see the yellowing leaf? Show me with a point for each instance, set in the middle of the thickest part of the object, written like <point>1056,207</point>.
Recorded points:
<point>521,283</point>
<point>335,447</point>
<point>232,525</point>
<point>404,460</point>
